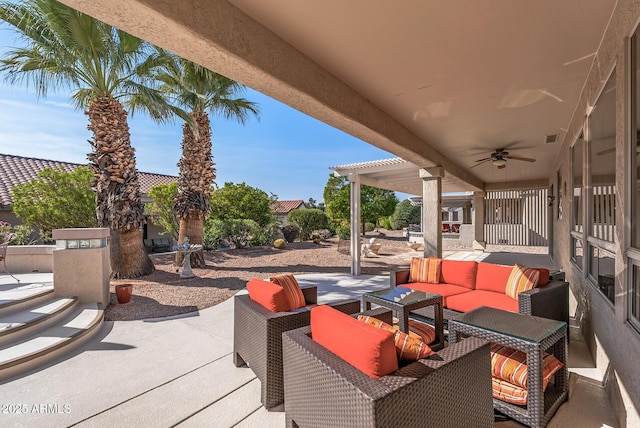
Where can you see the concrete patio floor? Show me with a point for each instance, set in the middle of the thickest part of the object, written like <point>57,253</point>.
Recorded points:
<point>179,371</point>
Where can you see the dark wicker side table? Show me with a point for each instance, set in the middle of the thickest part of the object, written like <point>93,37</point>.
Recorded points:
<point>402,301</point>
<point>532,335</point>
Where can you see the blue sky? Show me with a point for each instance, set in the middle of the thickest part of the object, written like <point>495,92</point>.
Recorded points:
<point>285,152</point>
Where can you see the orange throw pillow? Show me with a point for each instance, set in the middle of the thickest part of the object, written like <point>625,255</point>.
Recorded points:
<point>511,366</point>
<point>521,279</point>
<point>370,350</point>
<point>291,288</point>
<point>269,295</point>
<point>425,270</point>
<point>408,348</point>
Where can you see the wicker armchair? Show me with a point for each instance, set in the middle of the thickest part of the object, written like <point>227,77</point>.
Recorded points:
<point>449,389</point>
<point>257,339</point>
<point>5,240</point>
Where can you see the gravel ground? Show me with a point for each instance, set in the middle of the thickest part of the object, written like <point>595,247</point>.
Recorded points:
<point>164,293</point>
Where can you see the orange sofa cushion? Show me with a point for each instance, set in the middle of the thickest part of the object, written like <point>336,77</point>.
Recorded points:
<point>269,295</point>
<point>291,289</point>
<point>371,350</point>
<point>459,272</point>
<point>474,299</point>
<point>425,270</point>
<point>521,279</point>
<point>445,290</point>
<point>492,277</point>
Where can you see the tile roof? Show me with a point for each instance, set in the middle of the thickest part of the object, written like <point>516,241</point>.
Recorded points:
<point>16,170</point>
<point>284,207</point>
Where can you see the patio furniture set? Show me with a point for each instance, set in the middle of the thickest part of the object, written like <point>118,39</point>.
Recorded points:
<point>331,369</point>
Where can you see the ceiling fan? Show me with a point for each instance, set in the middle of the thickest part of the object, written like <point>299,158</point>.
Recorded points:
<point>499,159</point>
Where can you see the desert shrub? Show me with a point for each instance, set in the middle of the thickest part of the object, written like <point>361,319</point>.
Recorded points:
<point>265,235</point>
<point>368,227</point>
<point>385,222</point>
<point>279,244</point>
<point>237,232</point>
<point>344,231</point>
<point>160,209</point>
<point>308,221</point>
<point>404,215</point>
<point>291,232</point>
<point>24,234</point>
<point>241,201</point>
<point>325,233</point>
<point>316,237</point>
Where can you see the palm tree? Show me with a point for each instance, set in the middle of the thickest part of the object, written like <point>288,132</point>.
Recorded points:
<point>65,49</point>
<point>199,91</point>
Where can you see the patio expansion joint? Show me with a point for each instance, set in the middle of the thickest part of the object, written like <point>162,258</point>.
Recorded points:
<point>152,389</point>
<point>219,399</point>
<point>246,417</point>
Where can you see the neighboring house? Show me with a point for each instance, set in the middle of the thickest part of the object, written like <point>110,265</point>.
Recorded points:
<point>282,208</point>
<point>15,170</point>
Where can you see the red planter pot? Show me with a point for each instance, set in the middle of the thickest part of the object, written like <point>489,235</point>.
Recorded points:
<point>123,292</point>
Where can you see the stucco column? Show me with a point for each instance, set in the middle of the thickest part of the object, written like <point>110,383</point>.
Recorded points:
<point>355,224</point>
<point>479,243</point>
<point>432,210</point>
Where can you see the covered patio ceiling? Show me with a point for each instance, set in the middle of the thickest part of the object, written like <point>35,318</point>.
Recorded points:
<point>436,83</point>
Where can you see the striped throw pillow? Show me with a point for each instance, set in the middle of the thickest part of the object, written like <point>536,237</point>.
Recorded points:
<point>425,270</point>
<point>408,348</point>
<point>291,289</point>
<point>521,279</point>
<point>511,366</point>
<point>425,332</point>
<point>505,391</point>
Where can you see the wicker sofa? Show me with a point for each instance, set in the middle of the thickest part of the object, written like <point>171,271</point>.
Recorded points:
<point>450,388</point>
<point>466,285</point>
<point>257,338</point>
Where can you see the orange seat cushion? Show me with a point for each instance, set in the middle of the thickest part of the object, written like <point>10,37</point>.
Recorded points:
<point>291,289</point>
<point>371,350</point>
<point>269,295</point>
<point>445,290</point>
<point>521,279</point>
<point>459,272</point>
<point>425,270</point>
<point>408,347</point>
<point>492,277</point>
<point>474,299</point>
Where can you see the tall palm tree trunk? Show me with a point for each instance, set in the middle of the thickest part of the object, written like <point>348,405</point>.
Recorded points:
<point>194,185</point>
<point>118,204</point>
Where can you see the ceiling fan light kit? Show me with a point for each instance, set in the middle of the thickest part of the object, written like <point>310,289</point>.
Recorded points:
<point>499,159</point>
<point>499,162</point>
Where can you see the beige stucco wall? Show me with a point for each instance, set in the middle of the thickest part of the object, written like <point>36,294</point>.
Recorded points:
<point>614,344</point>
<point>30,258</point>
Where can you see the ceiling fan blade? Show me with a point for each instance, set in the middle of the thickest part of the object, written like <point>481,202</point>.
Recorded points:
<point>521,158</point>
<point>483,160</point>
<point>502,166</point>
<point>480,162</point>
<point>604,152</point>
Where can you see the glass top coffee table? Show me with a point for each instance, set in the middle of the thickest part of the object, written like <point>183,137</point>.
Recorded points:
<point>402,301</point>
<point>532,335</point>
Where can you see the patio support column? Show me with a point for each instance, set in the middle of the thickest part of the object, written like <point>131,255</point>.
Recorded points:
<point>432,210</point>
<point>355,224</point>
<point>478,222</point>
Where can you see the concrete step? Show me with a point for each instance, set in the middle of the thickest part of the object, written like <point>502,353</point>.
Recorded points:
<point>45,345</point>
<point>15,297</point>
<point>27,321</point>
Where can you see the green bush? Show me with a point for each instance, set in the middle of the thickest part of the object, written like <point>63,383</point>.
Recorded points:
<point>368,227</point>
<point>386,223</point>
<point>344,231</point>
<point>237,232</point>
<point>279,244</point>
<point>265,235</point>
<point>308,221</point>
<point>316,237</point>
<point>291,232</point>
<point>404,215</point>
